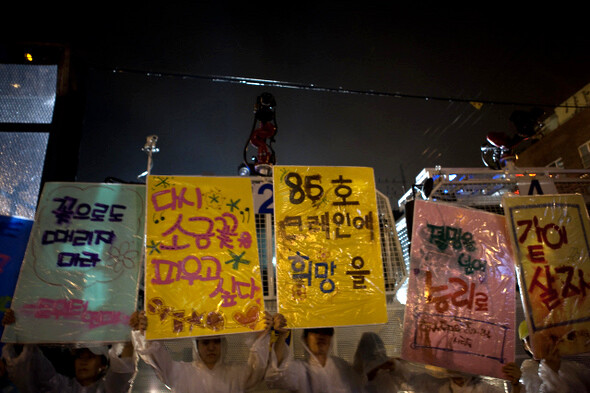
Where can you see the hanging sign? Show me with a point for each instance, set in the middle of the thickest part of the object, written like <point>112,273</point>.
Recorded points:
<point>328,253</point>
<point>461,291</point>
<point>202,270</point>
<point>551,238</point>
<point>78,281</point>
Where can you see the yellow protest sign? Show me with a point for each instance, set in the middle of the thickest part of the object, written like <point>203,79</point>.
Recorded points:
<point>202,275</point>
<point>328,253</point>
<point>551,245</point>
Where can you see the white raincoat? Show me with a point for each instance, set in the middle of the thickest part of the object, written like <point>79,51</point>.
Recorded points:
<point>195,376</point>
<point>439,380</point>
<point>572,377</point>
<point>32,372</point>
<point>370,354</point>
<point>308,376</point>
<point>471,385</point>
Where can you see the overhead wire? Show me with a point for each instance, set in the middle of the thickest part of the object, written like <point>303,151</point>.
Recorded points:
<point>476,102</point>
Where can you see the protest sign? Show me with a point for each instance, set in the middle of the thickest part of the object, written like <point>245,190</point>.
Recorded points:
<point>460,308</point>
<point>202,269</point>
<point>328,255</point>
<point>550,234</point>
<point>14,235</point>
<point>78,280</point>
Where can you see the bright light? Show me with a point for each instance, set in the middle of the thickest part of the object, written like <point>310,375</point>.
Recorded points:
<point>15,85</point>
<point>28,57</point>
<point>452,177</point>
<point>402,293</point>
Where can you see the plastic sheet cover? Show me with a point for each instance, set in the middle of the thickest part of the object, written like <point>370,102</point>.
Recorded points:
<point>14,236</point>
<point>461,301</point>
<point>202,269</point>
<point>328,255</point>
<point>78,281</point>
<point>551,237</point>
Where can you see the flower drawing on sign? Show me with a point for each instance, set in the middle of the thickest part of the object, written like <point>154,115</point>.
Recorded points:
<point>162,182</point>
<point>214,199</point>
<point>153,247</point>
<point>121,258</point>
<point>195,319</point>
<point>156,306</point>
<point>215,321</point>
<point>298,290</point>
<point>236,260</point>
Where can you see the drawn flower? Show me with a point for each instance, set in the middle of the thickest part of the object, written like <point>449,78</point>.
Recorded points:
<point>215,321</point>
<point>123,257</point>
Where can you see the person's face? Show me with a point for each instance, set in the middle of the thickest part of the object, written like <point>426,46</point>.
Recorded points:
<point>318,343</point>
<point>209,351</point>
<point>88,367</point>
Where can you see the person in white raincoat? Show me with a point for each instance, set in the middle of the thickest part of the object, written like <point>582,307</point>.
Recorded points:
<point>208,372</point>
<point>441,380</point>
<point>380,373</point>
<point>549,375</point>
<point>97,369</point>
<point>320,372</point>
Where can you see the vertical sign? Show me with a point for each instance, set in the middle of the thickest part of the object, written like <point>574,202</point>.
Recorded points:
<point>78,280</point>
<point>460,308</point>
<point>551,238</point>
<point>14,235</point>
<point>202,270</point>
<point>329,267</point>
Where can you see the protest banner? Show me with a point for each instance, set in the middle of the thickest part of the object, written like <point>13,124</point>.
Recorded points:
<point>550,234</point>
<point>79,279</point>
<point>460,305</point>
<point>202,269</point>
<point>14,236</point>
<point>328,254</point>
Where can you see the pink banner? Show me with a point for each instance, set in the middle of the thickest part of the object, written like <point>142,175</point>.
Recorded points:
<point>460,308</point>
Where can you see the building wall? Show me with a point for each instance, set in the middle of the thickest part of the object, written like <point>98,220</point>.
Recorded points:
<point>563,142</point>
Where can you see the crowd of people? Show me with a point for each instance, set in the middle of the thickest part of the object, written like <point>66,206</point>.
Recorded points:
<point>271,363</point>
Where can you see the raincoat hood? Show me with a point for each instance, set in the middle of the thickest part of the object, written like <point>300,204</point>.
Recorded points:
<point>198,361</point>
<point>370,353</point>
<point>308,354</point>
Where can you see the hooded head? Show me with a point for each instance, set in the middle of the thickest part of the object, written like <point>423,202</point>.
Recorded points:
<point>90,364</point>
<point>318,340</point>
<point>209,350</point>
<point>370,353</point>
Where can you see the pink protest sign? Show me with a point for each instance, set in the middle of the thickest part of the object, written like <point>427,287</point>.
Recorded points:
<point>460,309</point>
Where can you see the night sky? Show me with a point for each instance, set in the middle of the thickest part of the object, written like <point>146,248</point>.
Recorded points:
<point>341,65</point>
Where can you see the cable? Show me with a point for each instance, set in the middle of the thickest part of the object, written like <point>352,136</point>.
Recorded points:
<point>340,90</point>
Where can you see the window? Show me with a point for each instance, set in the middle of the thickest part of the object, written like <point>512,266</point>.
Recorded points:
<point>584,151</point>
<point>26,111</point>
<point>556,164</point>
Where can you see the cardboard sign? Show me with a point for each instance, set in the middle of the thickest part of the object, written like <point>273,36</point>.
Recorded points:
<point>551,238</point>
<point>202,268</point>
<point>460,308</point>
<point>329,266</point>
<point>78,281</point>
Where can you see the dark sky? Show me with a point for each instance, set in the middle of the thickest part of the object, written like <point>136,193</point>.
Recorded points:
<point>510,59</point>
